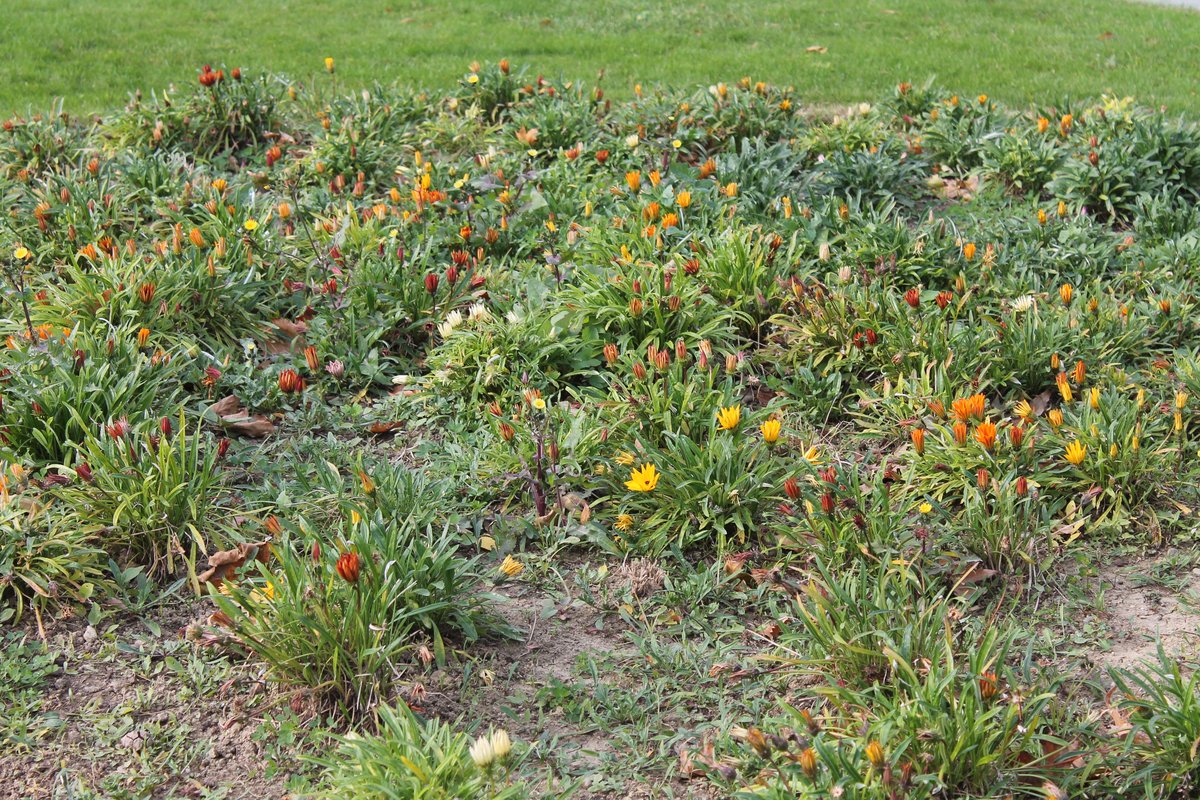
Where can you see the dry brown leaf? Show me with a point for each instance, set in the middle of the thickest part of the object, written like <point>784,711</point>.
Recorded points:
<point>816,48</point>
<point>975,574</point>
<point>233,417</point>
<point>290,329</point>
<point>223,565</point>
<point>384,427</point>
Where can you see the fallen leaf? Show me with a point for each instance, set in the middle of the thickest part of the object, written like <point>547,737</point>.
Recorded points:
<point>816,48</point>
<point>223,565</point>
<point>231,415</point>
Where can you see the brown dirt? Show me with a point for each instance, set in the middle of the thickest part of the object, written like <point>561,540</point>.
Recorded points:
<point>1140,615</point>
<point>220,726</point>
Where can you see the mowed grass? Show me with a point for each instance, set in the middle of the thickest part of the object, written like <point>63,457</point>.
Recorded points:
<point>93,54</point>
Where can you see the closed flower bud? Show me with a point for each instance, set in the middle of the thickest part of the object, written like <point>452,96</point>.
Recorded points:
<point>348,566</point>
<point>808,761</point>
<point>611,353</point>
<point>875,755</point>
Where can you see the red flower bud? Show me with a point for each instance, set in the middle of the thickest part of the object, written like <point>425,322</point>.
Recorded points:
<point>348,567</point>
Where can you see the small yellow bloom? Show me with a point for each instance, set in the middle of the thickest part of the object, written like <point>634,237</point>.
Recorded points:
<point>770,431</point>
<point>623,458</point>
<point>1094,398</point>
<point>683,199</point>
<point>329,64</point>
<point>21,253</point>
<point>539,404</point>
<point>1181,399</point>
<point>368,485</point>
<point>264,595</point>
<point>1024,410</point>
<point>643,479</point>
<point>676,143</point>
<point>250,224</point>
<point>624,523</point>
<point>511,567</point>
<point>925,508</point>
<point>1076,452</point>
<point>812,455</point>
<point>1066,292</point>
<point>875,755</point>
<point>728,418</point>
<point>1056,417</point>
<point>472,79</point>
<point>355,517</point>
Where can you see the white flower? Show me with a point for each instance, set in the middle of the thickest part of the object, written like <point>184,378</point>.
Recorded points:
<point>632,140</point>
<point>501,744</point>
<point>479,313</point>
<point>1023,304</point>
<point>453,320</point>
<point>482,753</point>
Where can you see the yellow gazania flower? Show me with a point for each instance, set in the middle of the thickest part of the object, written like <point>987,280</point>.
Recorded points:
<point>355,517</point>
<point>643,479</point>
<point>1076,452</point>
<point>925,508</point>
<point>770,431</point>
<point>1064,388</point>
<point>264,595</point>
<point>728,418</point>
<point>1094,398</point>
<point>1023,410</point>
<point>511,567</point>
<point>250,224</point>
<point>683,199</point>
<point>539,404</point>
<point>623,458</point>
<point>812,455</point>
<point>1056,417</point>
<point>21,253</point>
<point>1181,399</point>
<point>624,523</point>
<point>329,64</point>
<point>368,484</point>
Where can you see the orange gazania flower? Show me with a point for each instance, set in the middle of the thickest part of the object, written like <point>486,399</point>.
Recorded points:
<point>960,432</point>
<point>967,407</point>
<point>311,357</point>
<point>348,566</point>
<point>985,434</point>
<point>290,382</point>
<point>918,440</point>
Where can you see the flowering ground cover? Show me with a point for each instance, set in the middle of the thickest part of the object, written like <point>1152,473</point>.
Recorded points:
<point>509,441</point>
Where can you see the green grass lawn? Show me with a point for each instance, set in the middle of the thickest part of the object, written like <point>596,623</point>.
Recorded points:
<point>92,54</point>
